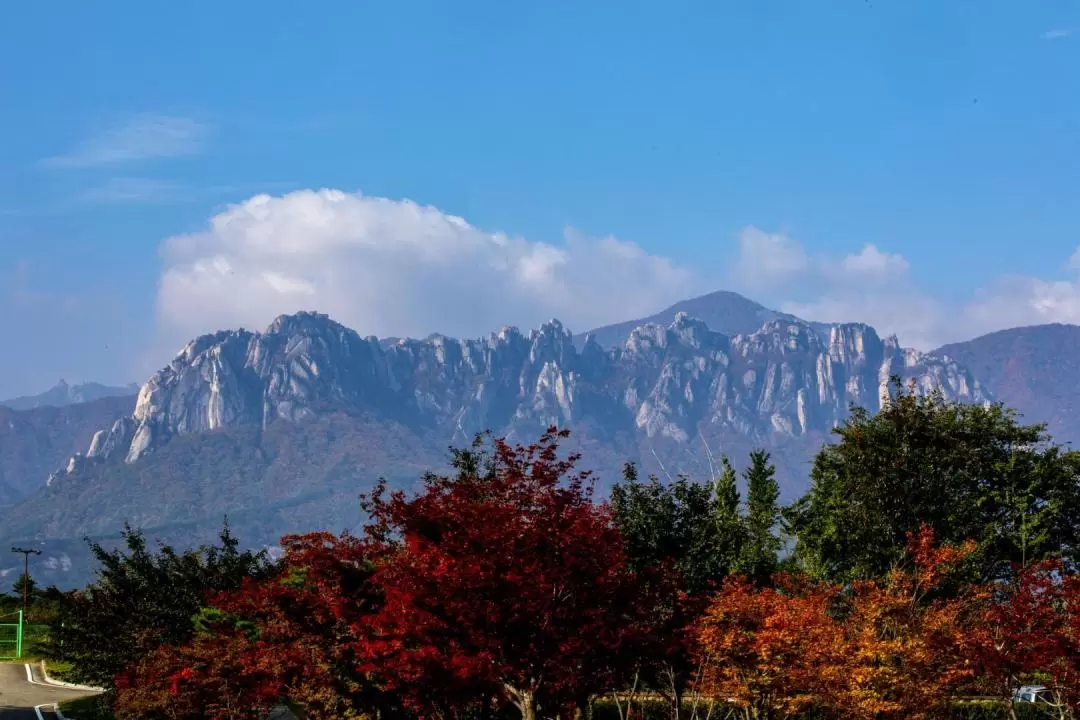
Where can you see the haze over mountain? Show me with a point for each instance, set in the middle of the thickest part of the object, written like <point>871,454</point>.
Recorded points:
<point>63,394</point>
<point>36,441</point>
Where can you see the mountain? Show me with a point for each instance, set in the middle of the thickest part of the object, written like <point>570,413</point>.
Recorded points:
<point>1034,370</point>
<point>282,429</point>
<point>63,394</point>
<point>723,311</point>
<point>34,442</point>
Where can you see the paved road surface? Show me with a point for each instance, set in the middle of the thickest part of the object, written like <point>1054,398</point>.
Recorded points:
<point>19,697</point>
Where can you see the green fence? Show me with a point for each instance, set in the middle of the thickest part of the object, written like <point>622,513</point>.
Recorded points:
<point>11,637</point>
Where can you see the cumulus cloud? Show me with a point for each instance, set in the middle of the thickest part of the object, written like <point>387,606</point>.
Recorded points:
<point>396,268</point>
<point>767,259</point>
<point>876,287</point>
<point>870,286</point>
<point>1017,300</point>
<point>143,137</point>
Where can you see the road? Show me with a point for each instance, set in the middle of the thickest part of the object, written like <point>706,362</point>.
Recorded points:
<point>19,697</point>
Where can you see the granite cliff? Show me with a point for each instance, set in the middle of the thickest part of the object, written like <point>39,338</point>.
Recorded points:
<point>282,429</point>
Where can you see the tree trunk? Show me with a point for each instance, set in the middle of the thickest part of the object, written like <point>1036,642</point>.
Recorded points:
<point>528,706</point>
<point>525,700</point>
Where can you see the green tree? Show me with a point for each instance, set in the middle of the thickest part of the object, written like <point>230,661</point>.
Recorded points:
<point>967,471</point>
<point>142,600</point>
<point>26,584</point>
<point>692,526</point>
<point>761,545</point>
<point>730,534</point>
<point>686,537</point>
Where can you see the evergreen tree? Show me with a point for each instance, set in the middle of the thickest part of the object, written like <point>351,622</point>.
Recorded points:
<point>25,584</point>
<point>758,559</point>
<point>143,599</point>
<point>726,516</point>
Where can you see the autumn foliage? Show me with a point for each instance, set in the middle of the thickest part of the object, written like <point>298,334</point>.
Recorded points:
<point>293,636</point>
<point>506,583</point>
<point>506,588</point>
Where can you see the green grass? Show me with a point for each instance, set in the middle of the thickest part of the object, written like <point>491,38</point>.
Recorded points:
<point>58,669</point>
<point>91,708</point>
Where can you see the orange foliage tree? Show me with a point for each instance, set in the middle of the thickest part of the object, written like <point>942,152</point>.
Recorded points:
<point>876,649</point>
<point>902,651</point>
<point>764,650</point>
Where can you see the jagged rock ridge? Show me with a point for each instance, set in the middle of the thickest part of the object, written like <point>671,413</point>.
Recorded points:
<point>665,383</point>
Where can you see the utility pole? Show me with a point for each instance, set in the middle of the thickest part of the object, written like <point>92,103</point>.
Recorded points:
<point>26,572</point>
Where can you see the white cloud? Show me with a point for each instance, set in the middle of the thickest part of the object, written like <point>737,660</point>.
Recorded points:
<point>143,137</point>
<point>1017,300</point>
<point>1057,34</point>
<point>388,267</point>
<point>871,262</point>
<point>768,258</point>
<point>393,267</point>
<point>875,287</point>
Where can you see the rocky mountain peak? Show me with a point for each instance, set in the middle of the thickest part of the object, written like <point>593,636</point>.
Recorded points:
<point>668,382</point>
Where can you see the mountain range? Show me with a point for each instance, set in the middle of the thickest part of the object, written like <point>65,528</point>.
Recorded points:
<point>281,430</point>
<point>62,395</point>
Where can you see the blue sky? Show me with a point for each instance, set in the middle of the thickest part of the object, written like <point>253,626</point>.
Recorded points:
<point>759,146</point>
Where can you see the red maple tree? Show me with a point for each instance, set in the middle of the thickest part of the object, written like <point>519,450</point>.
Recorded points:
<point>291,637</point>
<point>505,582</point>
<point>1030,627</point>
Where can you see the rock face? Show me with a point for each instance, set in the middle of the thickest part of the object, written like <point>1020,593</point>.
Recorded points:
<point>785,379</point>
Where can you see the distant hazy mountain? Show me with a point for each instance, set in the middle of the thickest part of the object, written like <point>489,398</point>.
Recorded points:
<point>724,312</point>
<point>1034,370</point>
<point>63,394</point>
<point>33,442</point>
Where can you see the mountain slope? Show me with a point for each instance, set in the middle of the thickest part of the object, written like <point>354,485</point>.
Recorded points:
<point>722,311</point>
<point>1034,370</point>
<point>35,442</point>
<point>63,394</point>
<point>282,429</point>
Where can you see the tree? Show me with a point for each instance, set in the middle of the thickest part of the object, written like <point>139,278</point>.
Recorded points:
<point>882,649</point>
<point>25,584</point>
<point>763,650</point>
<point>142,600</point>
<point>903,649</point>
<point>504,581</point>
<point>297,636</point>
<point>1027,627</point>
<point>967,471</point>
<point>683,539</point>
<point>693,526</point>
<point>761,546</point>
